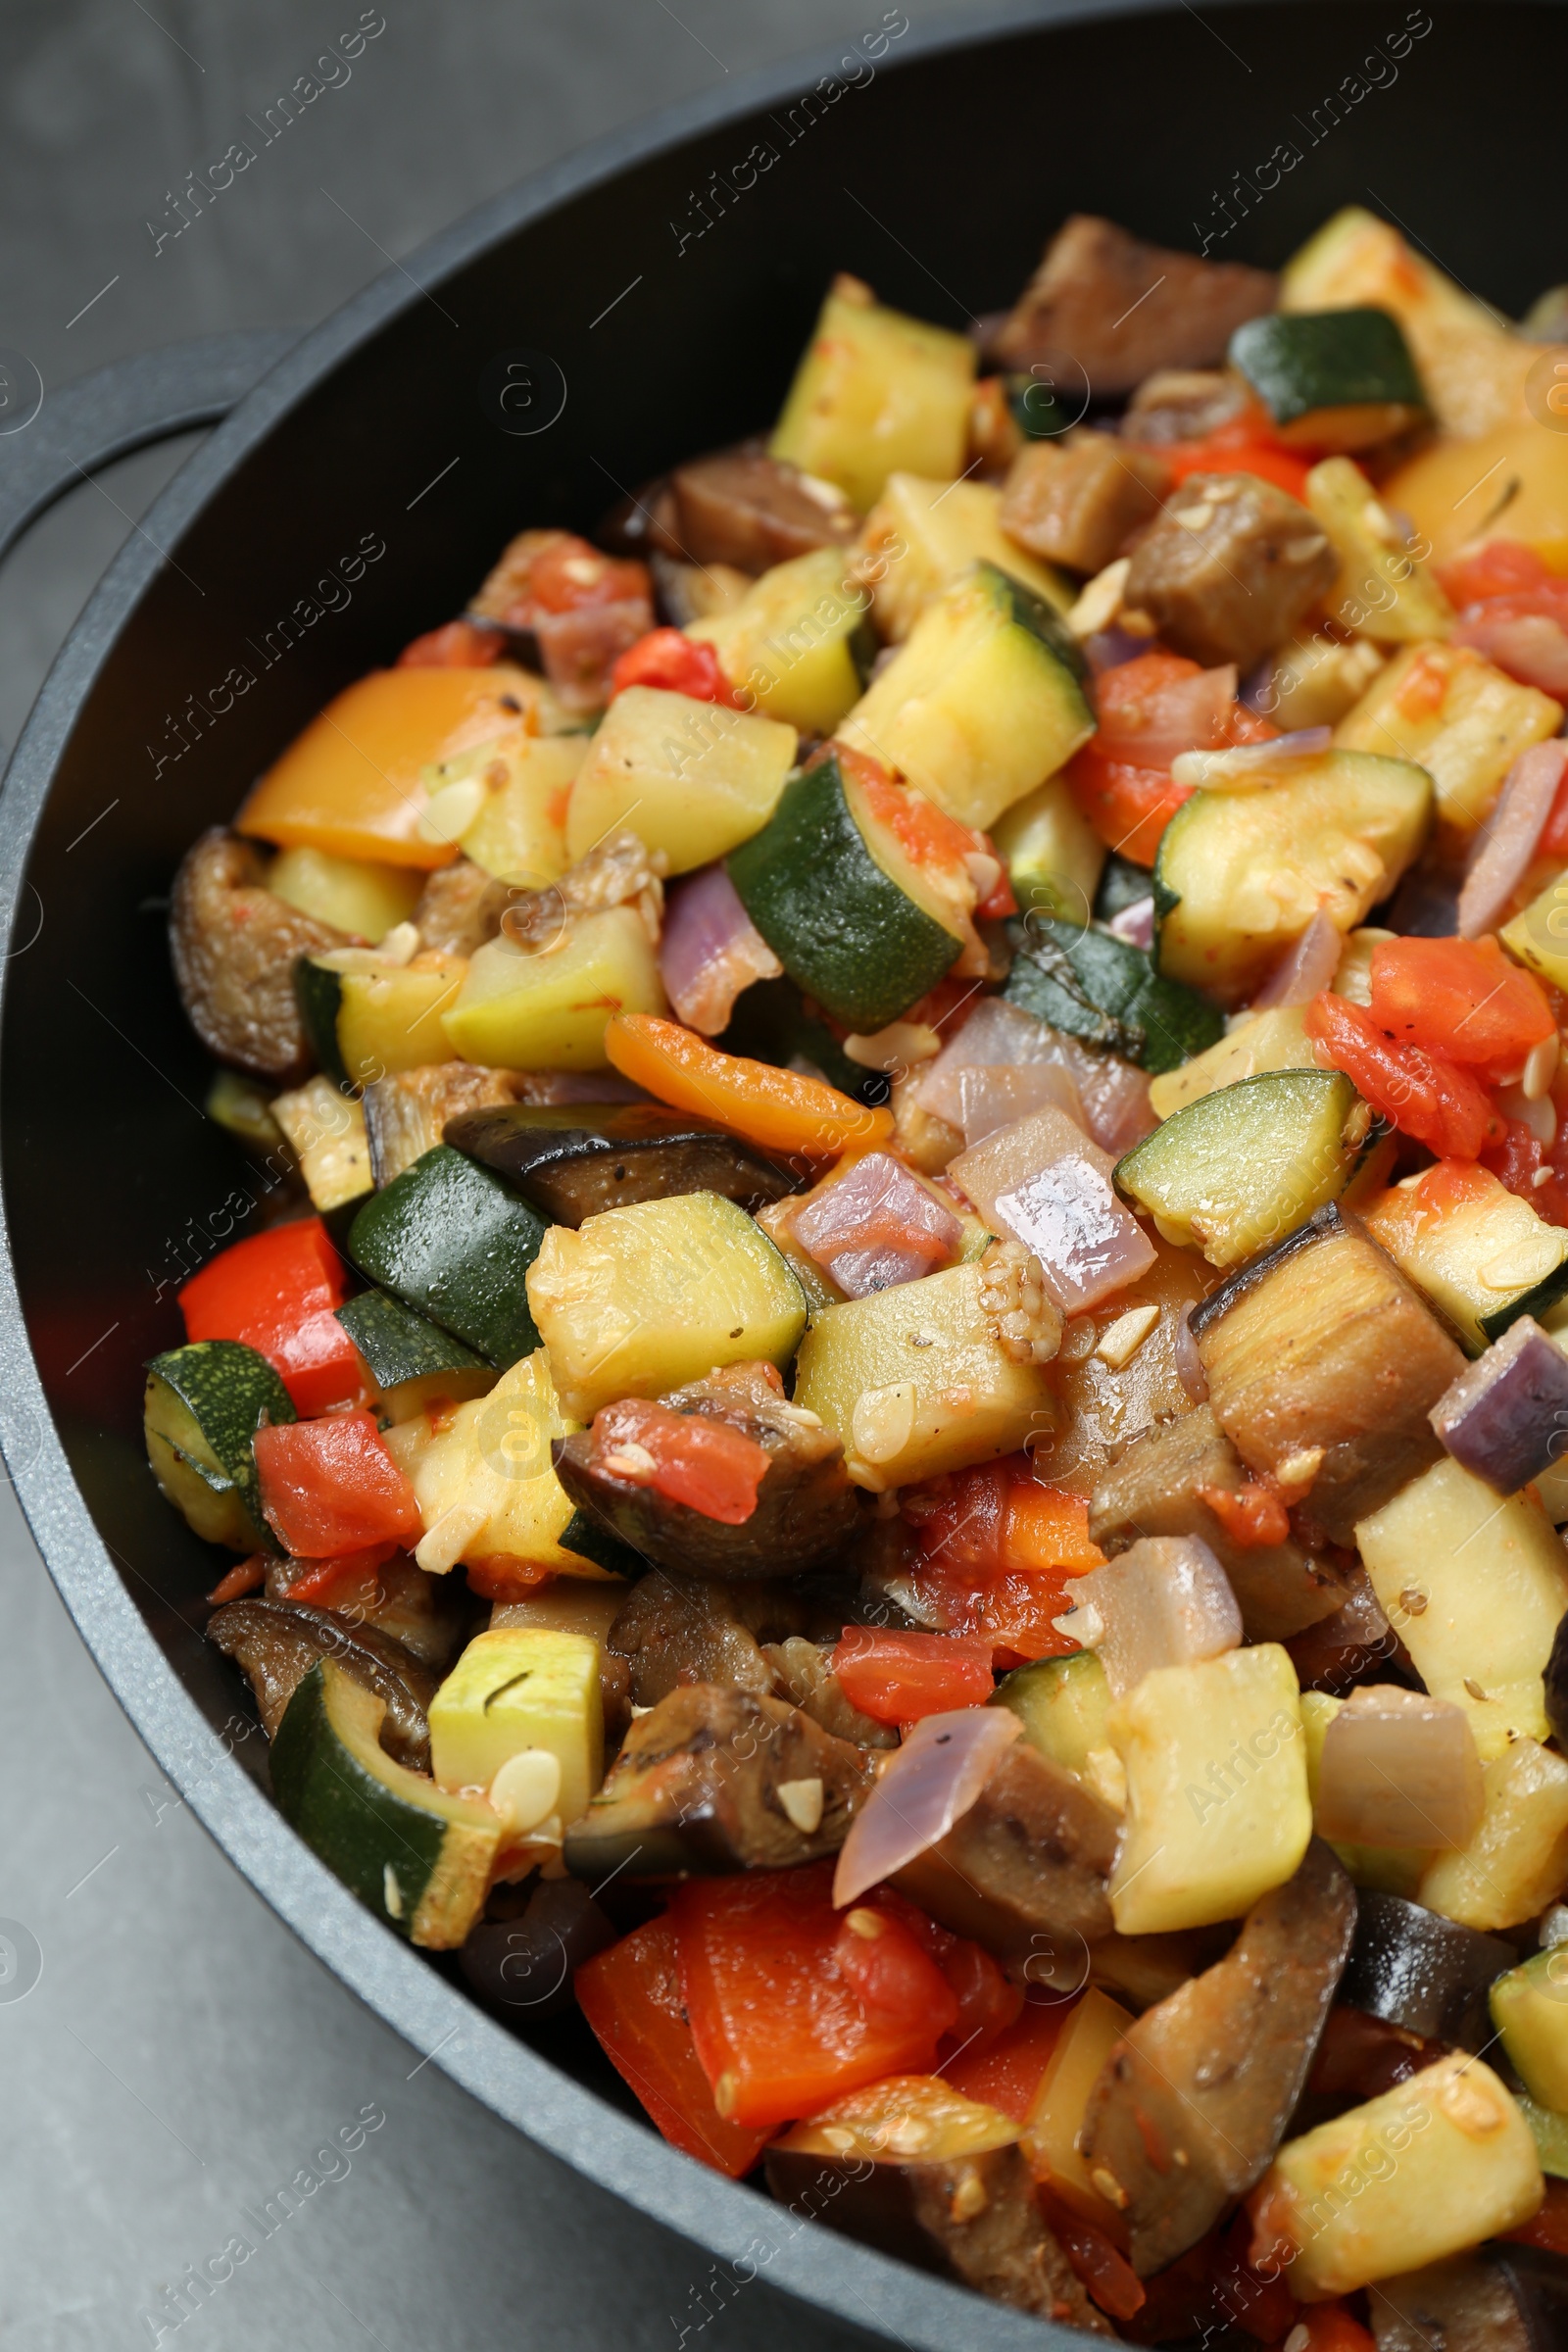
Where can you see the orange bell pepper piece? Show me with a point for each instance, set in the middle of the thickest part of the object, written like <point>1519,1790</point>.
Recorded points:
<point>781,1109</point>
<point>352,785</point>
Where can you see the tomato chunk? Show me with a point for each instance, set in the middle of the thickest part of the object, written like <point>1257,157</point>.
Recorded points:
<point>631,1997</point>
<point>461,644</point>
<point>998,1554</point>
<point>679,663</point>
<point>1129,806</point>
<point>896,1678</point>
<point>788,2011</point>
<point>1422,1094</point>
<point>1005,2071</point>
<point>330,1486</point>
<point>1502,567</point>
<point>276,1292</point>
<point>1548,2226</point>
<point>320,1583</point>
<point>1244,446</point>
<point>707,1465</point>
<point>1460,997</point>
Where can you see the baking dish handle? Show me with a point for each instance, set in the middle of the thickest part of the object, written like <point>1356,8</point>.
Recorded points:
<point>84,425</point>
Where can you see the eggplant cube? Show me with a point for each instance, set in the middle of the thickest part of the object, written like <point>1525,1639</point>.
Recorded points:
<point>1506,1418</point>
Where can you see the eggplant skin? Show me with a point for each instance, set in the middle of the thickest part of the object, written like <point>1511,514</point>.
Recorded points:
<point>695,1791</point>
<point>974,2219</point>
<point>1192,2104</point>
<point>806,1509</point>
<point>275,1643</point>
<point>573,1163</point>
<point>1026,1868</point>
<point>234,949</point>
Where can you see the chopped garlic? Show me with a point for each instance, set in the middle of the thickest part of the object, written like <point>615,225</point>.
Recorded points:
<point>1100,602</point>
<point>802,1800</point>
<point>1120,1340</point>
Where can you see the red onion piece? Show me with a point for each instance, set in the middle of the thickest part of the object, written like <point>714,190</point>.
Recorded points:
<point>1506,1418</point>
<point>1233,767</point>
<point>1189,1363</point>
<point>1302,970</point>
<point>1113,1094</point>
<point>876,1226</point>
<point>1508,839</point>
<point>1110,649</point>
<point>1165,1601</point>
<point>711,951</point>
<point>1136,923</point>
<point>1188,715</point>
<point>1044,1185</point>
<point>1399,1768</point>
<point>931,1783</point>
<point>1532,647</point>
<point>977,1102</point>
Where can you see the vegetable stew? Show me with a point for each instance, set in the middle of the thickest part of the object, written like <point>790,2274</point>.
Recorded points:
<point>898,1413</point>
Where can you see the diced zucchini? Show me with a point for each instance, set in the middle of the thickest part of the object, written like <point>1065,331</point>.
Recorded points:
<point>366,1017</point>
<point>204,1404</point>
<point>1239,1169</point>
<point>416,1856</point>
<point>1517,1861</point>
<point>1465,721</point>
<point>916,1381</point>
<point>411,1362</point>
<point>789,643</point>
<point>243,1108</point>
<point>1383,590</point>
<point>1241,873</point>
<point>1476,1589</point>
<point>1324,1363</point>
<point>921,536</point>
<point>324,1129</point>
<point>1276,1040</point>
<point>1082,979</point>
<point>1331,380</point>
<point>1217,1803</point>
<point>1550,2130</point>
<point>353,895</point>
<point>1062,1703</point>
<point>519,832</point>
<point>1312,680</point>
<point>1530,2010</point>
<point>856,923</point>
<point>1428,2170</point>
<point>485,1483</point>
<point>1477,1251</point>
<point>643,1298</point>
<point>519,1688</point>
<point>981,701</point>
<point>522,1011</point>
<point>689,778</point>
<point>1538,936</point>
<point>455,1243</point>
<point>1092,2029</point>
<point>1356,258</point>
<point>875,392</point>
<point>1053,856</point>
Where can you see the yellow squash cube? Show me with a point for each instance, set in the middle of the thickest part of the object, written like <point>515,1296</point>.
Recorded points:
<point>643,1298</point>
<point>547,1011</point>
<point>1217,1804</point>
<point>875,392</point>
<point>1455,714</point>
<point>352,894</point>
<point>923,535</point>
<point>484,1481</point>
<point>1050,2134</point>
<point>1428,2170</point>
<point>786,644</point>
<point>519,832</point>
<point>1476,1588</point>
<point>689,778</point>
<point>518,1688</point>
<point>1517,1861</point>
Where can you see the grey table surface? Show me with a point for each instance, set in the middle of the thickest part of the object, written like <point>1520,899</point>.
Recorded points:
<point>179,2056</point>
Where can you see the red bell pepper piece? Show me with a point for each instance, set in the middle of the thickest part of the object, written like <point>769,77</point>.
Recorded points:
<point>461,644</point>
<point>680,665</point>
<point>791,2005</point>
<point>318,1584</point>
<point>1502,567</point>
<point>330,1486</point>
<point>1244,446</point>
<point>1107,2276</point>
<point>241,1579</point>
<point>1332,2327</point>
<point>705,1464</point>
<point>631,1997</point>
<point>276,1292</point>
<point>1548,2226</point>
<point>1422,1094</point>
<point>1004,2071</point>
<point>896,1678</point>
